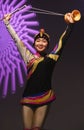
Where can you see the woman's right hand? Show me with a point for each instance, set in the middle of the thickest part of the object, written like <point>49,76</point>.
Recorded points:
<point>7,17</point>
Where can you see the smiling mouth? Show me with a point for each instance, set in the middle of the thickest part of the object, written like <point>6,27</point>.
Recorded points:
<point>40,47</point>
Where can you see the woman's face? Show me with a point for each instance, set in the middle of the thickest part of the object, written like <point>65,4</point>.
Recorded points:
<point>41,44</point>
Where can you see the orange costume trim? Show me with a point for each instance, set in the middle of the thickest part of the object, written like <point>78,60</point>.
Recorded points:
<point>41,99</point>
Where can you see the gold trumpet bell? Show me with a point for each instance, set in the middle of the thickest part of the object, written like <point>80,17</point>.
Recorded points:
<point>76,15</point>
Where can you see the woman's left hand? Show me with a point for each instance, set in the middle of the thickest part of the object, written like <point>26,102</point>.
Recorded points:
<point>68,17</point>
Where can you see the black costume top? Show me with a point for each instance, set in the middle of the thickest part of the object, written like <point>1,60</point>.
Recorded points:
<point>40,71</point>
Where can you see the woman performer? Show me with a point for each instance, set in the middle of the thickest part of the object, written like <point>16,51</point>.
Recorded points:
<point>38,93</point>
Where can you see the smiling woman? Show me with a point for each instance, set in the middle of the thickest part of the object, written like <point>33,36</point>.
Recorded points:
<point>40,44</point>
<point>38,93</point>
<point>41,41</point>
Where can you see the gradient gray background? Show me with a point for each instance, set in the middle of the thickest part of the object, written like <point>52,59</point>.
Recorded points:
<point>67,112</point>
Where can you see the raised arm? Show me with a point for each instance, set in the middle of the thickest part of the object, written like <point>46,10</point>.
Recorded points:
<point>64,37</point>
<point>62,40</point>
<point>25,53</point>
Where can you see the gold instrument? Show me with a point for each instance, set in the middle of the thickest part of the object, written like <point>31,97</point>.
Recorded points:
<point>73,16</point>
<point>76,15</point>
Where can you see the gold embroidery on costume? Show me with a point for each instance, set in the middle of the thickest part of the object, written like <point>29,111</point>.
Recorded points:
<point>53,56</point>
<point>36,62</point>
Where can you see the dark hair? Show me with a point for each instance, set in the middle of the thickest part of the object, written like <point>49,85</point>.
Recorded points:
<point>42,34</point>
